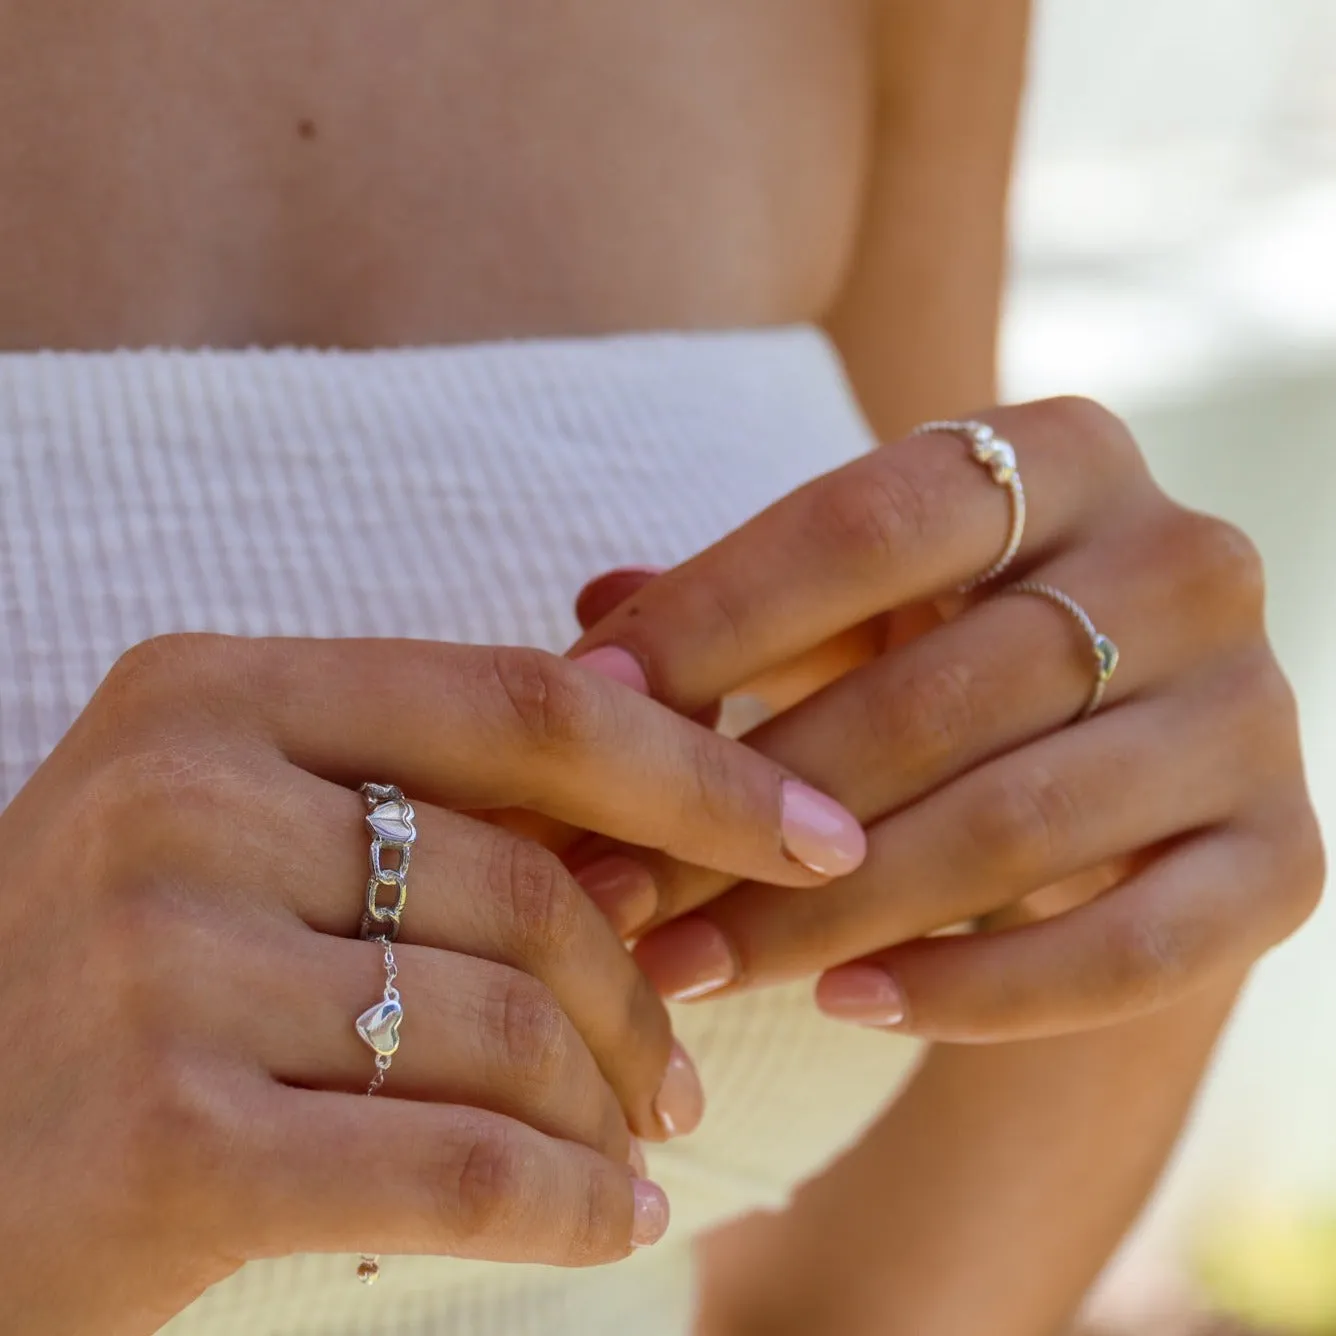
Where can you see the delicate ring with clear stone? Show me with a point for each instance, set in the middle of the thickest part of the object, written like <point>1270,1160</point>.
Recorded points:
<point>1104,650</point>
<point>390,820</point>
<point>990,451</point>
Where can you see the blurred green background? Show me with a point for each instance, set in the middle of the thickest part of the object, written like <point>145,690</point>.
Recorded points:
<point>1176,257</point>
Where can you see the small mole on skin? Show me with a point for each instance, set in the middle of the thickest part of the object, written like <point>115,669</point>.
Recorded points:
<point>306,128</point>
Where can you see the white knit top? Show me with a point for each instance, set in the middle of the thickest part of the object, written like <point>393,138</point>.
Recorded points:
<point>455,493</point>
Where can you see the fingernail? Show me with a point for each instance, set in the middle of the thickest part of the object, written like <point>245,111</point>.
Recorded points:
<point>819,833</point>
<point>610,661</point>
<point>651,1214</point>
<point>863,994</point>
<point>686,958</point>
<point>625,572</point>
<point>680,1102</point>
<point>636,1158</point>
<point>610,590</point>
<point>623,889</point>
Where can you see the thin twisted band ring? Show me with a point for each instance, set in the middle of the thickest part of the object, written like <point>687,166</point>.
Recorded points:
<point>991,452</point>
<point>390,819</point>
<point>1103,649</point>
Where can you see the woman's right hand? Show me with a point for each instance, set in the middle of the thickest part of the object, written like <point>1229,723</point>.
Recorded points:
<point>181,1086</point>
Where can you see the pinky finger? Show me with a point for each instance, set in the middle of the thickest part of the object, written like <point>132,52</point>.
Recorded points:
<point>1205,907</point>
<point>445,1180</point>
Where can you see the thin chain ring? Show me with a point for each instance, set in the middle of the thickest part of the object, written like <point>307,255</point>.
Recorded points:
<point>390,819</point>
<point>991,452</point>
<point>1103,649</point>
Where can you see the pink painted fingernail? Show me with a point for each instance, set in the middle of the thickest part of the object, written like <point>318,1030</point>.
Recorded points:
<point>680,1102</point>
<point>651,1214</point>
<point>819,833</point>
<point>635,1157</point>
<point>610,590</point>
<point>862,994</point>
<point>687,958</point>
<point>610,661</point>
<point>623,889</point>
<point>626,572</point>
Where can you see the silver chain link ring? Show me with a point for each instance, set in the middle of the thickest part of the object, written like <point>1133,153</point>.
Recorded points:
<point>390,820</point>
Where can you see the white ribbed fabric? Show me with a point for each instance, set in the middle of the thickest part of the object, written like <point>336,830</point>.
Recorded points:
<point>463,494</point>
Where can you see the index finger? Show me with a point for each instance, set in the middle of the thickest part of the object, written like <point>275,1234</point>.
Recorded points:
<point>477,727</point>
<point>908,521</point>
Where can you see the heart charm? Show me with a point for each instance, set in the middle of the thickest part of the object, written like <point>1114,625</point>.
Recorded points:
<point>393,823</point>
<point>379,1027</point>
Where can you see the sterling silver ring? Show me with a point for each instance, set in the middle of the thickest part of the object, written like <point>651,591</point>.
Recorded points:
<point>390,819</point>
<point>1103,649</point>
<point>991,452</point>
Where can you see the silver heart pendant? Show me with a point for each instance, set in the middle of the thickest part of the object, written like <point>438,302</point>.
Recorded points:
<point>393,823</point>
<point>379,1027</point>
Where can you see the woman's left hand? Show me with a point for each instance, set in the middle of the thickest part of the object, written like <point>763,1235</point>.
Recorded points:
<point>1174,821</point>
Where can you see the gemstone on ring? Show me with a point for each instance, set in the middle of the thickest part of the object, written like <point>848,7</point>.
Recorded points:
<point>991,452</point>
<point>1106,654</point>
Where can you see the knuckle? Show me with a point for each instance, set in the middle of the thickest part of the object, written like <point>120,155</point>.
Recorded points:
<point>1018,829</point>
<point>185,1132</point>
<point>553,703</point>
<point>1277,708</point>
<point>596,1215</point>
<point>1233,573</point>
<point>482,1185</point>
<point>1092,424</point>
<point>1305,873</point>
<point>1144,958</point>
<point>532,1031</point>
<point>926,718</point>
<point>542,899</point>
<point>152,802</point>
<point>161,671</point>
<point>874,515</point>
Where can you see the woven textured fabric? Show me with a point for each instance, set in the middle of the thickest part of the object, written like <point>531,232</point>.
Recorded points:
<point>455,493</point>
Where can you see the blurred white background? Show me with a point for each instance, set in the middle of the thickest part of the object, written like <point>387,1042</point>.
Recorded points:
<point>1176,246</point>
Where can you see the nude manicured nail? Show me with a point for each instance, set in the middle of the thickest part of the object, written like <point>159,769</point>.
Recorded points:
<point>610,661</point>
<point>862,994</point>
<point>623,889</point>
<point>680,1102</point>
<point>651,1214</point>
<point>819,833</point>
<point>687,958</point>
